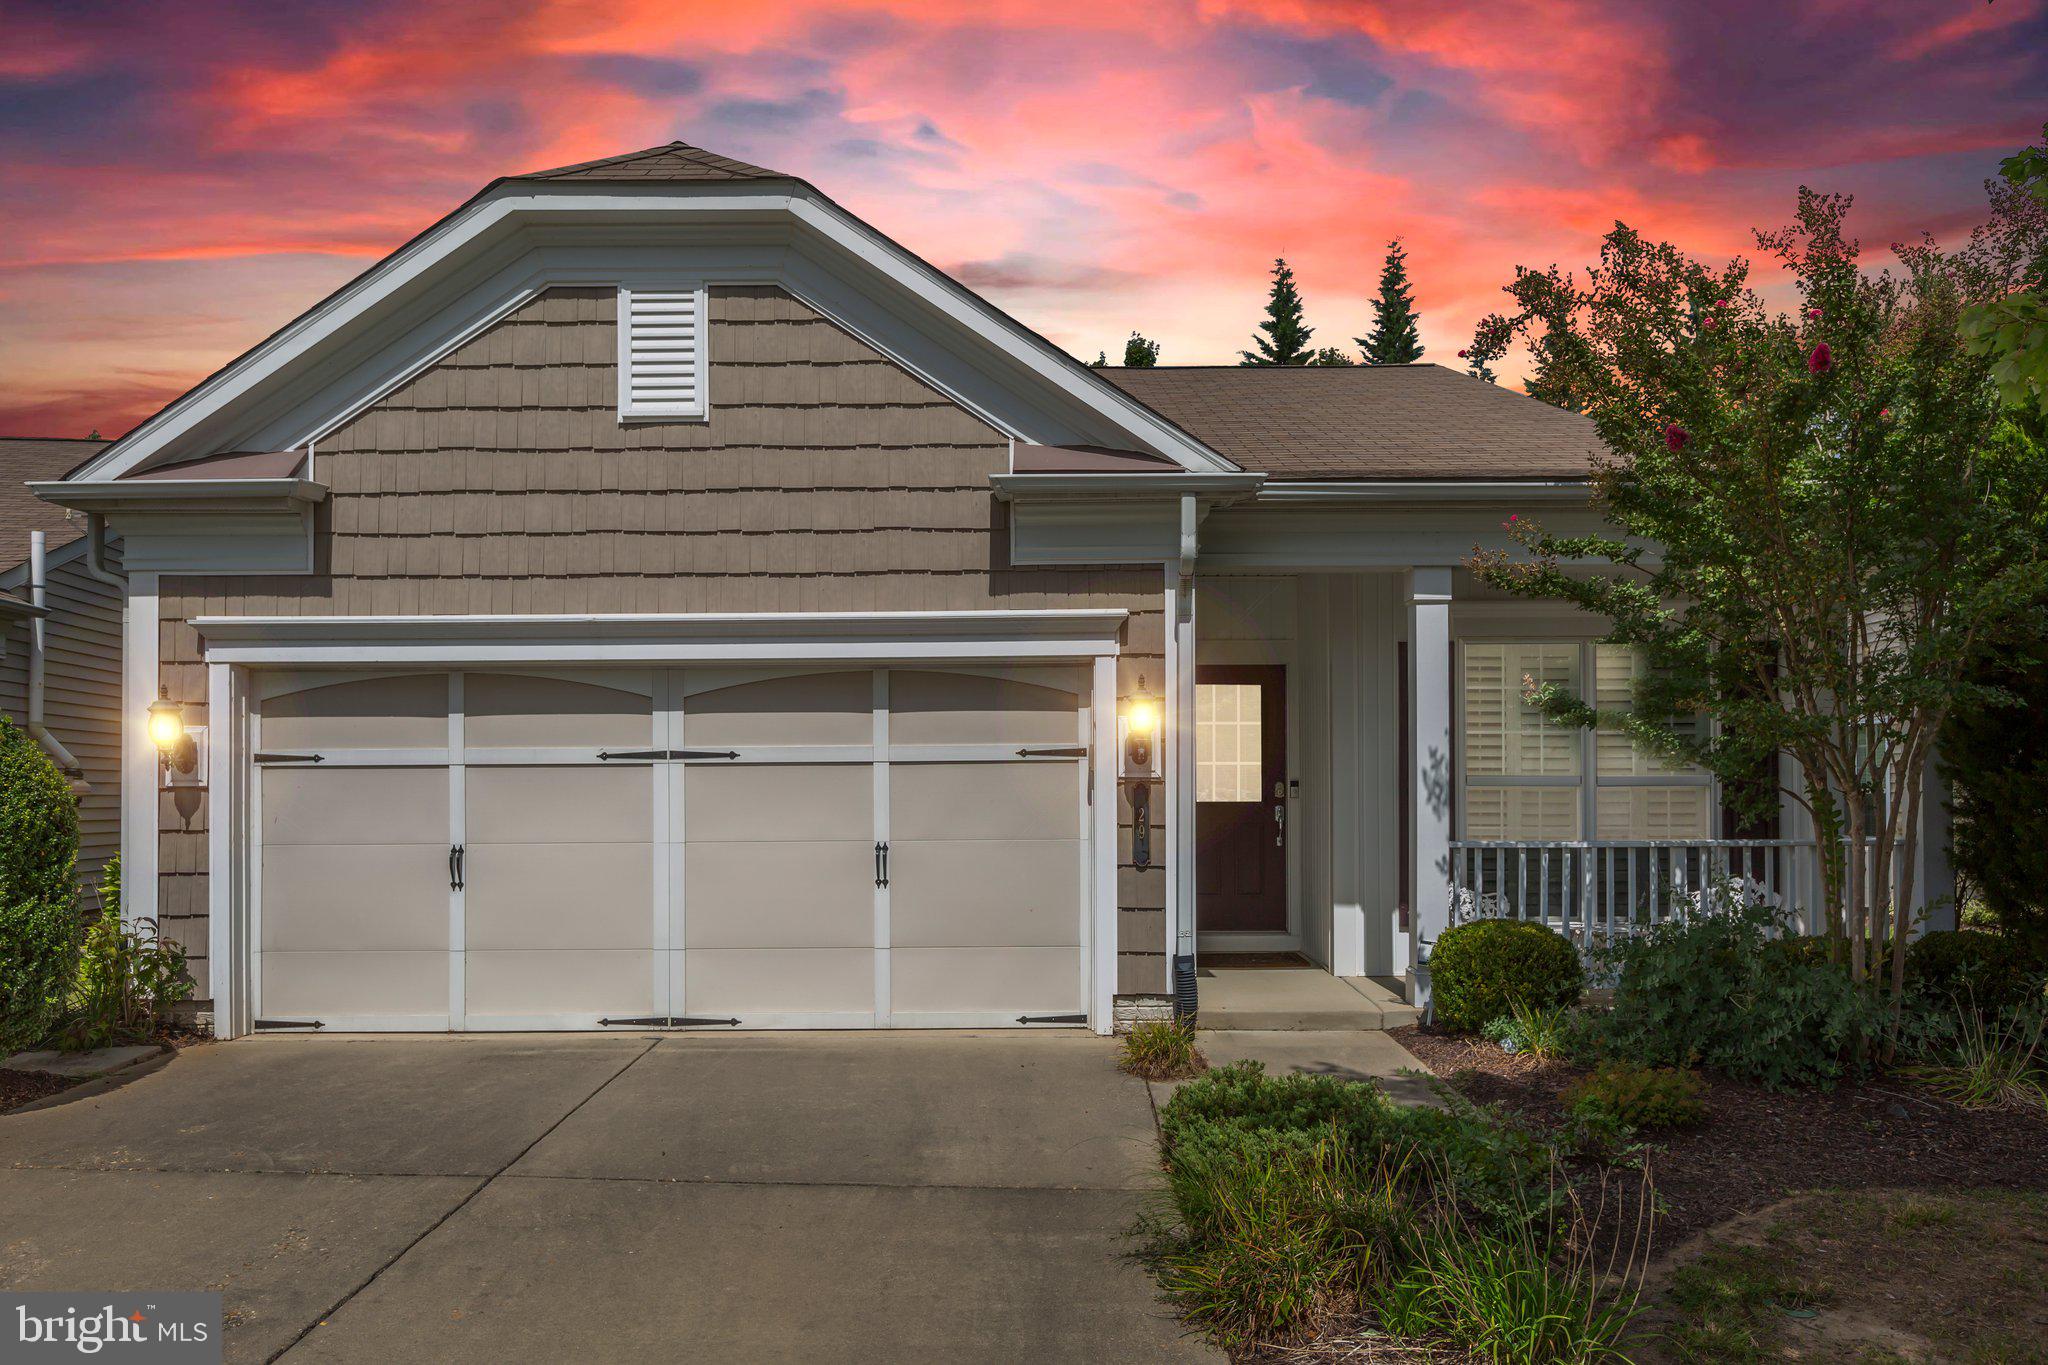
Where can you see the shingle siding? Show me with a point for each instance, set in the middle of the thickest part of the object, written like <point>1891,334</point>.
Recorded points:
<point>826,478</point>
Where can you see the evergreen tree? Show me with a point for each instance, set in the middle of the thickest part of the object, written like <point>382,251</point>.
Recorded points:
<point>1101,360</point>
<point>1285,341</point>
<point>1140,353</point>
<point>1394,339</point>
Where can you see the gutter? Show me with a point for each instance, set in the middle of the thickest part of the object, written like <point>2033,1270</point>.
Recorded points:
<point>1212,488</point>
<point>1415,492</point>
<point>38,650</point>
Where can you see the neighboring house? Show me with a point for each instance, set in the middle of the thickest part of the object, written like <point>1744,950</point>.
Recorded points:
<point>78,721</point>
<point>653,594</point>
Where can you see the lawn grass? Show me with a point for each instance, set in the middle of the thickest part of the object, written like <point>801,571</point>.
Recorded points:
<point>1872,1276</point>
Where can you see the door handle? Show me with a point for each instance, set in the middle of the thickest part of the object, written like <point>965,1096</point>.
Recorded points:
<point>453,883</point>
<point>1280,824</point>
<point>878,866</point>
<point>457,856</point>
<point>881,865</point>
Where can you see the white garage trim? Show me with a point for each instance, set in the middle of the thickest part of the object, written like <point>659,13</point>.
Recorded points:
<point>239,649</point>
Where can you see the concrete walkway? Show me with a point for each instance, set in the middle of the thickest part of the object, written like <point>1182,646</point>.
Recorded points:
<point>1305,998</point>
<point>813,1197</point>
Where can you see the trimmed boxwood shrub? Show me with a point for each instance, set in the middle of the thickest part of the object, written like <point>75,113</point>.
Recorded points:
<point>1480,971</point>
<point>38,899</point>
<point>1971,967</point>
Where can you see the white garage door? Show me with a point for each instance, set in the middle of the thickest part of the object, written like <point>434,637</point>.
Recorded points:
<point>609,848</point>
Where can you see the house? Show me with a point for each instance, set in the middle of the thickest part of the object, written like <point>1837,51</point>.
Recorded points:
<point>60,653</point>
<point>651,595</point>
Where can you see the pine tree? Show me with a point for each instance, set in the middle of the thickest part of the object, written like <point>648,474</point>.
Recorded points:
<point>1394,339</point>
<point>1285,341</point>
<point>1141,353</point>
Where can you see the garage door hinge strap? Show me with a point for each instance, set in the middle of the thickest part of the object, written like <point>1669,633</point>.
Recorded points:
<point>266,1024</point>
<point>703,753</point>
<point>1052,1018</point>
<point>667,1021</point>
<point>290,758</point>
<point>1076,752</point>
<point>632,753</point>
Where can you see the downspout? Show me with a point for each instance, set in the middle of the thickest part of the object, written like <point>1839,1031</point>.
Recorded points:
<point>96,551</point>
<point>38,650</point>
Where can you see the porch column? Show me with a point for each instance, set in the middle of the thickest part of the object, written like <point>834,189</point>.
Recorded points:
<point>1429,778</point>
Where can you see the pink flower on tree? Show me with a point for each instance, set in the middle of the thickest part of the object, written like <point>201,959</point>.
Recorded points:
<point>1820,360</point>
<point>1884,414</point>
<point>1711,323</point>
<point>1814,314</point>
<point>1724,303</point>
<point>1463,354</point>
<point>1675,437</point>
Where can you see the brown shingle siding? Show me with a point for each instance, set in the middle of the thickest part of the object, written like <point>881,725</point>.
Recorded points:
<point>826,478</point>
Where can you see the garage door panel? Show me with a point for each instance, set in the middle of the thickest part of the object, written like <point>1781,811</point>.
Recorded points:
<point>338,897</point>
<point>778,981</point>
<point>805,708</point>
<point>312,985</point>
<point>355,806</point>
<point>561,805</point>
<point>584,981</point>
<point>983,801</point>
<point>985,892</point>
<point>979,980</point>
<point>785,895</point>
<point>555,895</point>
<point>402,711</point>
<point>781,802</point>
<point>524,711</point>
<point>968,708</point>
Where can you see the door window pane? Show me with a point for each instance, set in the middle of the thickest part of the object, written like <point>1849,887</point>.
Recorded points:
<point>1229,742</point>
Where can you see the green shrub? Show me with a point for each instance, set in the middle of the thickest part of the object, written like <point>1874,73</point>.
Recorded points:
<point>1527,1295</point>
<point>1550,1034</point>
<point>38,901</point>
<point>1990,1063</point>
<point>1986,971</point>
<point>1714,990</point>
<point>127,980</point>
<point>1632,1096</point>
<point>1163,1050</point>
<point>1479,971</point>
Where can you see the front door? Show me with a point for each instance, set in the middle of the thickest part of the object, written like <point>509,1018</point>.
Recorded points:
<point>1241,797</point>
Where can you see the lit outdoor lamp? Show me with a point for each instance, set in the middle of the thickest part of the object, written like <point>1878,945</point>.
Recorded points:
<point>175,746</point>
<point>1140,738</point>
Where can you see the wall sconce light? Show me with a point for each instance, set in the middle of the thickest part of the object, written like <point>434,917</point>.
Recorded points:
<point>1140,726</point>
<point>179,755</point>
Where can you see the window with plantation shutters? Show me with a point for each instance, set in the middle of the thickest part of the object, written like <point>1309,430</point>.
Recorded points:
<point>663,368</point>
<point>1525,777</point>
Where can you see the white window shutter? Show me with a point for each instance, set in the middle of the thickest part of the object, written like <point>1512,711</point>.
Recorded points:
<point>663,366</point>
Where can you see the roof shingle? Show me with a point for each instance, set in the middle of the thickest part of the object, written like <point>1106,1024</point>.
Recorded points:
<point>1366,421</point>
<point>672,161</point>
<point>23,458</point>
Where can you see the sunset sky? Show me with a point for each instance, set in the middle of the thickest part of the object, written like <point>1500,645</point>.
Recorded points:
<point>179,179</point>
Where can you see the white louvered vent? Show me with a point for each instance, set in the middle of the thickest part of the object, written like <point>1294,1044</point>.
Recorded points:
<point>662,363</point>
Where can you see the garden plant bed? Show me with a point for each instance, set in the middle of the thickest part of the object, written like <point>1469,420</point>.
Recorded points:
<point>26,1087</point>
<point>1758,1146</point>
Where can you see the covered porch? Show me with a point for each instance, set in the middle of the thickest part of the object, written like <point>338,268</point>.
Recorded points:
<point>1358,771</point>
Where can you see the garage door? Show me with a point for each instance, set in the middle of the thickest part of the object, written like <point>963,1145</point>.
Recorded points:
<point>612,847</point>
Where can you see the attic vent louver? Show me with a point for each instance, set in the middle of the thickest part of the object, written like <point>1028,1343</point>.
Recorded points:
<point>662,363</point>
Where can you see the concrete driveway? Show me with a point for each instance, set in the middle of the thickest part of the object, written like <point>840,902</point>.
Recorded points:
<point>814,1197</point>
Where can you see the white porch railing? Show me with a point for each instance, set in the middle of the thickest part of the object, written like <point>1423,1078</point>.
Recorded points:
<point>1595,890</point>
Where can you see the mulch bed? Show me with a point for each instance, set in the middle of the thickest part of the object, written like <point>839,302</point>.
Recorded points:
<point>1758,1146</point>
<point>25,1087</point>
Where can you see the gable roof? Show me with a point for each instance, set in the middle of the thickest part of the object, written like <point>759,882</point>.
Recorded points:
<point>670,161</point>
<point>1367,421</point>
<point>26,458</point>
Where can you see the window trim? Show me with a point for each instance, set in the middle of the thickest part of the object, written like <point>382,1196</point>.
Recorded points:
<point>631,412</point>
<point>1588,781</point>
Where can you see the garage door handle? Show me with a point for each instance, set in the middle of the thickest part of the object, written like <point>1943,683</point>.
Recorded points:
<point>456,856</point>
<point>881,865</point>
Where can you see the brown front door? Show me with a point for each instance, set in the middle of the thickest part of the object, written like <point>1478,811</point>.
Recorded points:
<point>1241,797</point>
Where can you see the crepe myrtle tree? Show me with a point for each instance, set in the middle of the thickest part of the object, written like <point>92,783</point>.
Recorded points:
<point>1819,523</point>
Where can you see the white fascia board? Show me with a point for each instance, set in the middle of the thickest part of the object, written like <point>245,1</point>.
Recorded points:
<point>491,231</point>
<point>1222,487</point>
<point>779,637</point>
<point>1427,492</point>
<point>180,495</point>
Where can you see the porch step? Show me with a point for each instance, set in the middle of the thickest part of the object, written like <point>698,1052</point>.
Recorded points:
<point>1294,999</point>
